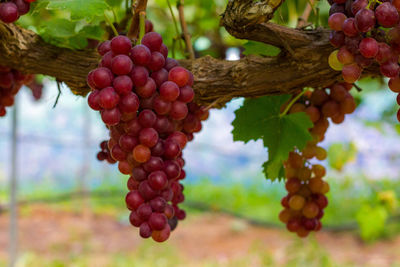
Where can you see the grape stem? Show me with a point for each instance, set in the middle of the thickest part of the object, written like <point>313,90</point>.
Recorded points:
<point>134,29</point>
<point>58,95</point>
<point>189,46</point>
<point>111,24</point>
<point>142,25</point>
<point>358,88</point>
<point>291,103</point>
<point>175,24</point>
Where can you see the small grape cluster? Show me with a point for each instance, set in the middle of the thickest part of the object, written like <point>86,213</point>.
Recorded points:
<point>306,200</point>
<point>366,32</point>
<point>145,100</point>
<point>11,11</point>
<point>11,82</point>
<point>104,154</point>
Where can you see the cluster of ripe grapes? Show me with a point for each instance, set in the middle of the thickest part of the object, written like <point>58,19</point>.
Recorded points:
<point>11,11</point>
<point>366,32</point>
<point>11,82</point>
<point>104,154</point>
<point>145,100</point>
<point>306,200</point>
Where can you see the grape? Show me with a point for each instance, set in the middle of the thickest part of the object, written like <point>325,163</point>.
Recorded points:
<point>358,5</point>
<point>179,110</point>
<point>160,76</point>
<point>129,103</point>
<point>351,73</point>
<point>320,153</point>
<point>321,201</point>
<point>111,116</point>
<point>387,15</point>
<point>345,56</point>
<point>157,61</point>
<point>148,89</point>
<point>186,94</point>
<point>139,174</point>
<point>145,230</point>
<point>102,78</point>
<point>384,53</point>
<point>394,84</point>
<point>336,20</point>
<point>309,224</point>
<point>108,98</point>
<point>104,47</point>
<point>121,65</point>
<point>335,8</point>
<point>148,137</point>
<point>390,69</point>
<point>154,164</point>
<point>141,153</point>
<point>365,20</point>
<point>330,108</point>
<point>293,225</point>
<point>179,75</point>
<point>158,180</point>
<point>338,92</point>
<point>8,12</point>
<point>310,210</point>
<point>147,118</point>
<point>146,191</point>
<point>171,149</point>
<point>117,153</point>
<point>121,45</point>
<point>135,219</point>
<point>139,75</point>
<point>293,185</point>
<point>141,55</point>
<point>333,61</point>
<point>161,106</point>
<point>285,215</point>
<point>157,221</point>
<point>179,137</point>
<point>22,6</point>
<point>123,84</point>
<point>172,169</point>
<point>144,211</point>
<point>319,97</point>
<point>133,200</point>
<point>169,91</point>
<point>369,47</point>
<point>152,40</point>
<point>296,202</point>
<point>161,236</point>
<point>158,204</point>
<point>336,38</point>
<point>93,100</point>
<point>124,167</point>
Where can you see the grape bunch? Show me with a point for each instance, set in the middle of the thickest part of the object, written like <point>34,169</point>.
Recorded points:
<point>10,11</point>
<point>305,202</point>
<point>145,100</point>
<point>366,32</point>
<point>11,82</point>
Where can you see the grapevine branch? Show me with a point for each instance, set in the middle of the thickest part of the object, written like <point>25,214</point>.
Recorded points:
<point>138,7</point>
<point>185,31</point>
<point>216,81</point>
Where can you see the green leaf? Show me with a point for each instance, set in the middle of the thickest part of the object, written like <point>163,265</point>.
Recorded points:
<point>59,28</point>
<point>372,221</point>
<point>260,118</point>
<point>80,9</point>
<point>260,49</point>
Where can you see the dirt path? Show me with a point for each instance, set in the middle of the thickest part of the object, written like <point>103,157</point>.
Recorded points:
<point>57,234</point>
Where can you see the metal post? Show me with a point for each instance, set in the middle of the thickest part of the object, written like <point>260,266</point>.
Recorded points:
<point>13,190</point>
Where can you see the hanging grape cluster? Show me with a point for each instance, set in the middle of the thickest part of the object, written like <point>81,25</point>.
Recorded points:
<point>11,82</point>
<point>366,32</point>
<point>145,100</point>
<point>305,202</point>
<point>10,11</point>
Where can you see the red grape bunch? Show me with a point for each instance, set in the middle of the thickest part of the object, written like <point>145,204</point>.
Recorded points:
<point>305,202</point>
<point>10,82</point>
<point>366,32</point>
<point>145,100</point>
<point>10,11</point>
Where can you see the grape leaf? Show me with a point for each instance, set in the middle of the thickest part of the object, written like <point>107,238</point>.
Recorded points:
<point>260,118</point>
<point>80,9</point>
<point>260,49</point>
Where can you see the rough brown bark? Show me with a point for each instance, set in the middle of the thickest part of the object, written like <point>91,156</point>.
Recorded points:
<point>302,63</point>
